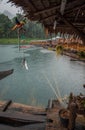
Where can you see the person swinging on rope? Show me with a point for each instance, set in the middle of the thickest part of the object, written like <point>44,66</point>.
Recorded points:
<point>24,63</point>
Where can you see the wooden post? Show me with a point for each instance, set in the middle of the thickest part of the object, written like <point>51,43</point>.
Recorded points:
<point>49,105</point>
<point>72,118</point>
<point>18,32</point>
<point>70,99</point>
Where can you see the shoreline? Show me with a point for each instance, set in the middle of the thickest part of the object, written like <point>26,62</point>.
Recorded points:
<point>74,57</point>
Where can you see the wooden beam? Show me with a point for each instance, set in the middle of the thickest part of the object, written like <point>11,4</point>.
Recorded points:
<point>73,9</point>
<point>80,33</point>
<point>48,17</point>
<point>65,26</point>
<point>54,15</point>
<point>45,3</point>
<point>74,3</point>
<point>46,10</point>
<point>63,5</point>
<point>32,4</point>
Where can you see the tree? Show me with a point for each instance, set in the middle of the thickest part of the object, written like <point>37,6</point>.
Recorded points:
<point>33,29</point>
<point>5,25</point>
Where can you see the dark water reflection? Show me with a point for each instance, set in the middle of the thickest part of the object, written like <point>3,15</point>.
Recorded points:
<point>46,70</point>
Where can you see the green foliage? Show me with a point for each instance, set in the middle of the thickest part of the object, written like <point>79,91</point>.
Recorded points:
<point>81,54</point>
<point>15,40</point>
<point>5,24</point>
<point>59,49</point>
<point>33,29</point>
<point>8,41</point>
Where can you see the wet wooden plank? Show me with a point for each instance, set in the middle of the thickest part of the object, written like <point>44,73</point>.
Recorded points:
<point>53,121</point>
<point>39,113</point>
<point>20,119</point>
<point>40,126</point>
<point>26,108</point>
<point>22,116</point>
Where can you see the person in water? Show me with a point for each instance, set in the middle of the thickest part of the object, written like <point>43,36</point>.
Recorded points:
<point>24,63</point>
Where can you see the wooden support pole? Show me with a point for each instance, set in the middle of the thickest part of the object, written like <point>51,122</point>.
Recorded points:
<point>72,118</point>
<point>49,104</point>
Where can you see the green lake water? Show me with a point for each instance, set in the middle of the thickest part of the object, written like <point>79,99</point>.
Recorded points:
<point>48,75</point>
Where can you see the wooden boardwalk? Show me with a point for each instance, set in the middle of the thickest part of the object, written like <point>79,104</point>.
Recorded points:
<point>53,122</point>
<point>23,117</point>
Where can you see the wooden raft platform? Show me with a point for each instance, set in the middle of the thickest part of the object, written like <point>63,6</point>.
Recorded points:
<point>22,117</point>
<point>53,120</point>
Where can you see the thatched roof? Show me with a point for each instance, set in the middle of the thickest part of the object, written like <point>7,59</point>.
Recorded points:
<point>68,14</point>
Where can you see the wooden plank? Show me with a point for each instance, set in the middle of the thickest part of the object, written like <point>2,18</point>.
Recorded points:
<point>40,126</point>
<point>20,119</point>
<point>39,113</point>
<point>22,116</point>
<point>46,10</point>
<point>26,108</point>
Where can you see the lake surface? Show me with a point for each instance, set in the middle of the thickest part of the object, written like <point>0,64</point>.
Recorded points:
<point>48,75</point>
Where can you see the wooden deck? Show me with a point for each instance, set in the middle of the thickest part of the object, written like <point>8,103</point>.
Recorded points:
<point>18,116</point>
<point>23,117</point>
<point>53,121</point>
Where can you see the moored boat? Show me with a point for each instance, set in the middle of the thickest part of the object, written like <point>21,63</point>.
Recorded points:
<point>4,74</point>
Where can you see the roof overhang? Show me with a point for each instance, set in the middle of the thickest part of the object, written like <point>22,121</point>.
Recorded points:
<point>68,14</point>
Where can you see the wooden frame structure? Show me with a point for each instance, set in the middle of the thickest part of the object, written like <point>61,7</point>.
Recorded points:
<point>69,15</point>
